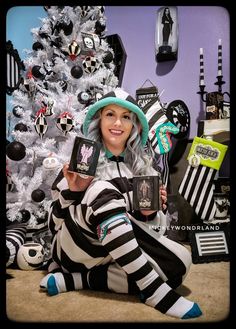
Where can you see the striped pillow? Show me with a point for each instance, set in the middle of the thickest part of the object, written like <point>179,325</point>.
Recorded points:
<point>15,237</point>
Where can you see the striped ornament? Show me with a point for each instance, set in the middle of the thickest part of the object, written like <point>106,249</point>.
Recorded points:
<point>73,50</point>
<point>40,125</point>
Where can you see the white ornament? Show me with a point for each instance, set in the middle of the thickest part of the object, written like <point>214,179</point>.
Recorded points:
<point>194,160</point>
<point>30,256</point>
<point>51,163</point>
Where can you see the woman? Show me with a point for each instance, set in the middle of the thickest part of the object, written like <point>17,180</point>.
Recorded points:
<point>99,242</point>
<point>167,25</point>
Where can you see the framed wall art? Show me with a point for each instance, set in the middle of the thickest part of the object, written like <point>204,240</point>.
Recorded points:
<point>166,34</point>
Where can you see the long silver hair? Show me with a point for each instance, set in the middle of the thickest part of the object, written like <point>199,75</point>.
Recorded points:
<point>137,157</point>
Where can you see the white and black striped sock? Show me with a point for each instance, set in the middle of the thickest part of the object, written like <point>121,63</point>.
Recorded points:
<point>55,283</point>
<point>116,234</point>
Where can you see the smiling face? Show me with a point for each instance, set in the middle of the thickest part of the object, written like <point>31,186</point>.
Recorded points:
<point>116,126</point>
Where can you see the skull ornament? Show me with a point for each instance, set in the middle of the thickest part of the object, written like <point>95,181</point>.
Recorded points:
<point>89,42</point>
<point>50,163</point>
<point>30,256</point>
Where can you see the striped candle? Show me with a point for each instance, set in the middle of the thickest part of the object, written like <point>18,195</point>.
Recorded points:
<point>219,73</point>
<point>202,83</point>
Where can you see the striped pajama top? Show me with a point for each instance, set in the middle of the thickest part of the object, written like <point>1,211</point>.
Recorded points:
<point>75,216</point>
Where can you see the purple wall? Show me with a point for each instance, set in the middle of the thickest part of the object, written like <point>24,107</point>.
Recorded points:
<point>199,27</point>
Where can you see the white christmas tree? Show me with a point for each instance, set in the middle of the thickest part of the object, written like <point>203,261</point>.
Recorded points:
<point>70,66</point>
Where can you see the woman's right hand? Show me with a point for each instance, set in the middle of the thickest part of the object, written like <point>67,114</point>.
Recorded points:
<point>76,183</point>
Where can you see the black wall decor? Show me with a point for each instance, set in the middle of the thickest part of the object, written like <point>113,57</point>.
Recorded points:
<point>144,95</point>
<point>166,34</point>
<point>14,66</point>
<point>120,55</point>
<point>210,244</point>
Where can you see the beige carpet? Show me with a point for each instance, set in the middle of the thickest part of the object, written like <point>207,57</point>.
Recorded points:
<point>207,284</point>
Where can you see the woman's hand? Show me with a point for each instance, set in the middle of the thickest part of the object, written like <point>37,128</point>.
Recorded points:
<point>163,194</point>
<point>75,181</point>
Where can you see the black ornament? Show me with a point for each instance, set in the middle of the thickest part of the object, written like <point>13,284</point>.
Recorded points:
<point>108,57</point>
<point>43,35</point>
<point>21,127</point>
<point>25,214</point>
<point>84,97</point>
<point>67,28</point>
<point>76,72</point>
<point>36,72</point>
<point>99,27</point>
<point>37,46</point>
<point>16,151</point>
<point>16,109</point>
<point>37,195</point>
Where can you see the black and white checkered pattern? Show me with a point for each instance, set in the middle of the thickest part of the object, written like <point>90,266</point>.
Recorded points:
<point>40,125</point>
<point>90,64</point>
<point>65,124</point>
